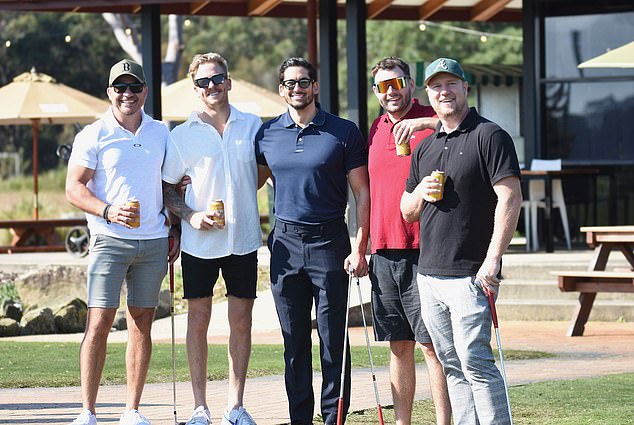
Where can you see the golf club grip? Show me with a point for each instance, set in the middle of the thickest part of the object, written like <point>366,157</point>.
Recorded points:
<point>171,265</point>
<point>494,313</point>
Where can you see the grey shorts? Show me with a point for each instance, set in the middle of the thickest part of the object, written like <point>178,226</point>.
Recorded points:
<point>141,263</point>
<point>395,298</point>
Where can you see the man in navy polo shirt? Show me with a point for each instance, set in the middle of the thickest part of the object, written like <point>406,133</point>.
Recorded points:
<point>463,237</point>
<point>313,156</point>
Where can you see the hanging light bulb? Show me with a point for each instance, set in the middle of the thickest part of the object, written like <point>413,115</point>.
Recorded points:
<point>422,26</point>
<point>187,22</point>
<point>483,38</point>
<point>7,43</point>
<point>67,38</point>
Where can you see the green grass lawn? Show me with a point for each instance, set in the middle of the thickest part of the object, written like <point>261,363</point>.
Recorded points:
<point>595,401</point>
<point>38,364</point>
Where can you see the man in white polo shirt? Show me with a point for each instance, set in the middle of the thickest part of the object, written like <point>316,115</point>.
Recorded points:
<point>215,148</point>
<point>115,160</point>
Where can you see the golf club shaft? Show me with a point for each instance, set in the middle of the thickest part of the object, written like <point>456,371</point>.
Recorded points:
<point>494,317</point>
<point>367,343</point>
<point>171,279</point>
<point>345,355</point>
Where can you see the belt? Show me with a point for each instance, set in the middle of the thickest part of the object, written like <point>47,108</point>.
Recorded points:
<point>310,229</point>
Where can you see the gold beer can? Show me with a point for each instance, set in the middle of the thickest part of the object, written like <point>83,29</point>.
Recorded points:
<point>219,207</point>
<point>136,220</point>
<point>440,176</point>
<point>403,149</point>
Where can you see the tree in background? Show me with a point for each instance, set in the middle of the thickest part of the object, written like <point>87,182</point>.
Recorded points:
<point>254,47</point>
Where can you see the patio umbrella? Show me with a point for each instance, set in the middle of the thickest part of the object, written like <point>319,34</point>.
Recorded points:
<point>621,57</point>
<point>178,100</point>
<point>34,98</point>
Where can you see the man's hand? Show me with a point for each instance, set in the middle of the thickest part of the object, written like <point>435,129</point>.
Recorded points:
<point>488,275</point>
<point>357,263</point>
<point>204,220</point>
<point>122,215</point>
<point>403,130</point>
<point>427,187</point>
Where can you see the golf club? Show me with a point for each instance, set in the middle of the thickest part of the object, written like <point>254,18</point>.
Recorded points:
<point>494,316</point>
<point>171,272</point>
<point>367,343</point>
<point>345,353</point>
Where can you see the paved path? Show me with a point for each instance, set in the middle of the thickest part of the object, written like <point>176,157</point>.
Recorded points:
<point>606,348</point>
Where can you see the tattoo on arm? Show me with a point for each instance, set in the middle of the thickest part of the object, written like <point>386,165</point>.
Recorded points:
<point>175,203</point>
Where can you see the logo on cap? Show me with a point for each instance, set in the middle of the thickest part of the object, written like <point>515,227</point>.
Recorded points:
<point>443,64</point>
<point>126,66</point>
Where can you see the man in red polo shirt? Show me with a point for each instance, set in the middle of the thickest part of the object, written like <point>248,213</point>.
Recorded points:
<point>395,245</point>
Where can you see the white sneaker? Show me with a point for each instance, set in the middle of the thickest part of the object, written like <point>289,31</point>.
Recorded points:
<point>85,418</point>
<point>237,416</point>
<point>201,416</point>
<point>133,417</point>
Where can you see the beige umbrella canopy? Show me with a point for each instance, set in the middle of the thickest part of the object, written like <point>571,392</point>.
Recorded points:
<point>33,97</point>
<point>621,57</point>
<point>178,100</point>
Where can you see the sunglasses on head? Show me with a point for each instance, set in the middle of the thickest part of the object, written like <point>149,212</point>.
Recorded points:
<point>396,83</point>
<point>304,83</point>
<point>123,87</point>
<point>204,82</point>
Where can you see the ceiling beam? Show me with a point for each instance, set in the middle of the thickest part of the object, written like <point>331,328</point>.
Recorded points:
<point>197,6</point>
<point>377,6</point>
<point>429,8</point>
<point>262,7</point>
<point>486,9</point>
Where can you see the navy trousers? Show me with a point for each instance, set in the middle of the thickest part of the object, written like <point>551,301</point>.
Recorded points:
<point>306,267</point>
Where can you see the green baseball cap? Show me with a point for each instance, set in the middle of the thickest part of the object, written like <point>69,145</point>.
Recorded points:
<point>126,67</point>
<point>449,66</point>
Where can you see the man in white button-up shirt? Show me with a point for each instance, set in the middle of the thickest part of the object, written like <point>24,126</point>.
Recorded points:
<point>215,148</point>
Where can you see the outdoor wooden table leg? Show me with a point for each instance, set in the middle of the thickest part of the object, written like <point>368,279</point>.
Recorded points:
<point>548,212</point>
<point>586,299</point>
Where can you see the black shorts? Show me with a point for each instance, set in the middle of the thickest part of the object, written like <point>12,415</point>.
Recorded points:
<point>240,273</point>
<point>395,298</point>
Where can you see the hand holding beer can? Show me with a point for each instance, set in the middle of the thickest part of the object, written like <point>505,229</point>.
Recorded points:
<point>217,209</point>
<point>440,176</point>
<point>135,221</point>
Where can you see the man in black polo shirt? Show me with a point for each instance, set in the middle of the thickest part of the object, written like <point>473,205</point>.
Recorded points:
<point>462,239</point>
<point>313,156</point>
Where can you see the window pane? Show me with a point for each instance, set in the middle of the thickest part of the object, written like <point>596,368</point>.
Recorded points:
<point>590,121</point>
<point>571,40</point>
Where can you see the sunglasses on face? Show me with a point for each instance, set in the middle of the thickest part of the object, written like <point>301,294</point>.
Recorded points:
<point>396,83</point>
<point>204,82</point>
<point>123,87</point>
<point>304,83</point>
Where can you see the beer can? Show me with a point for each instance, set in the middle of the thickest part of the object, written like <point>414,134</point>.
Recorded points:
<point>440,176</point>
<point>403,149</point>
<point>136,220</point>
<point>218,207</point>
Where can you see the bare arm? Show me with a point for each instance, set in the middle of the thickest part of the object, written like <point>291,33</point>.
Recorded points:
<point>507,212</point>
<point>264,173</point>
<point>412,203</point>
<point>360,185</point>
<point>78,194</point>
<point>200,220</point>
<point>404,129</point>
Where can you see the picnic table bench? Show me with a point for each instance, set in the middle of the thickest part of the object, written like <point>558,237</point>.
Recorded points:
<point>604,239</point>
<point>23,230</point>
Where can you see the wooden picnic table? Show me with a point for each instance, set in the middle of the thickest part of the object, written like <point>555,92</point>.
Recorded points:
<point>604,240</point>
<point>23,230</point>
